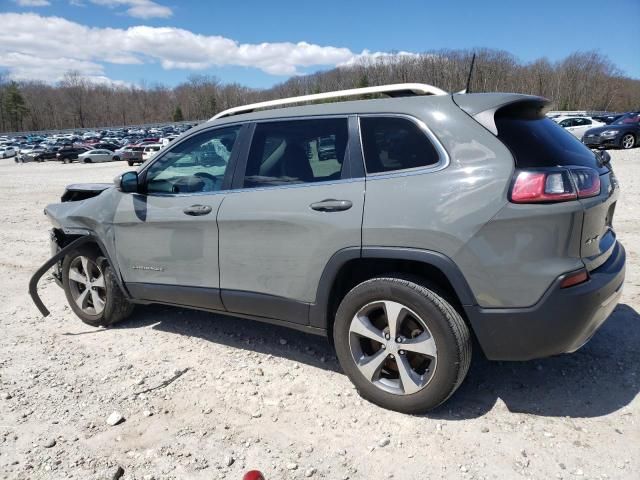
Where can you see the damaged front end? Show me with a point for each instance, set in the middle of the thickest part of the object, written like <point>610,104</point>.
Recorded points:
<point>85,215</point>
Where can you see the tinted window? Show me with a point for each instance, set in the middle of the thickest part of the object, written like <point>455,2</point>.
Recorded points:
<point>195,165</point>
<point>538,141</point>
<point>393,143</point>
<point>302,151</point>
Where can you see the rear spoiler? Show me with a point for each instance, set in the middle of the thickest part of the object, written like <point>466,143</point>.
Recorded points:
<point>483,106</point>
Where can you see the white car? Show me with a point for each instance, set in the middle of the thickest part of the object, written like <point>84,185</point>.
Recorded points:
<point>6,152</point>
<point>95,156</point>
<point>577,126</point>
<point>150,150</point>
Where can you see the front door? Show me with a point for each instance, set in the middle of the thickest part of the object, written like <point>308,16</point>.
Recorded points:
<point>295,207</point>
<point>167,238</point>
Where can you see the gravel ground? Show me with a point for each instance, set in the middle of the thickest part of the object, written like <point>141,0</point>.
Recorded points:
<point>248,395</point>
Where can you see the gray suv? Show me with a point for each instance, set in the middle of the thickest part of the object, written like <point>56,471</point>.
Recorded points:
<point>399,227</point>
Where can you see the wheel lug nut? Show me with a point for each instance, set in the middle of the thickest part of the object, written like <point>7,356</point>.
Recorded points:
<point>399,339</point>
<point>384,346</point>
<point>401,352</point>
<point>392,356</point>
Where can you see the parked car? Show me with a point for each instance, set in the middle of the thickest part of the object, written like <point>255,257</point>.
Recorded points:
<point>28,152</point>
<point>47,153</point>
<point>610,118</point>
<point>150,150</point>
<point>622,133</point>
<point>7,152</point>
<point>131,153</point>
<point>577,126</point>
<point>421,229</point>
<point>105,146</point>
<point>68,155</point>
<point>98,156</point>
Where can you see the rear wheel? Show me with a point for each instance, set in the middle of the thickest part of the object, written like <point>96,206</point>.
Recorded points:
<point>92,290</point>
<point>130,163</point>
<point>403,346</point>
<point>628,141</point>
<point>88,160</point>
<point>115,159</point>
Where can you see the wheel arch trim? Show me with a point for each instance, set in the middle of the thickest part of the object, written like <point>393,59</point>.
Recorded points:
<point>318,311</point>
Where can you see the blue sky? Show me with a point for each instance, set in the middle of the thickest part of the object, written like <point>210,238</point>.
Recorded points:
<point>338,31</point>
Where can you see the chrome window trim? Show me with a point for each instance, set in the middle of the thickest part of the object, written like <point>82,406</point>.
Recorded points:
<point>443,156</point>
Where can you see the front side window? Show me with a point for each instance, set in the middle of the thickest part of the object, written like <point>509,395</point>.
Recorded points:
<point>301,151</point>
<point>195,165</point>
<point>394,143</point>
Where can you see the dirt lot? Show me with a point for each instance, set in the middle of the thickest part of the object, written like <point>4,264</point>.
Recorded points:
<point>257,396</point>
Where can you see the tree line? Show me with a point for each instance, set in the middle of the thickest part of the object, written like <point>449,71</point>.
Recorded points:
<point>581,81</point>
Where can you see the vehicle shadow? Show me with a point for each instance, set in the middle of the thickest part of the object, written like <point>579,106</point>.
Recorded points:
<point>237,332</point>
<point>600,378</point>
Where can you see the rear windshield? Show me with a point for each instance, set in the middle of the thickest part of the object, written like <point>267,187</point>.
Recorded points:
<point>538,141</point>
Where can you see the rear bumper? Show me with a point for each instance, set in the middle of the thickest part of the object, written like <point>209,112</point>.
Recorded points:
<point>562,321</point>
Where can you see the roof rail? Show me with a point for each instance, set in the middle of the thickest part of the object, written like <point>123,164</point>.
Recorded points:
<point>394,90</point>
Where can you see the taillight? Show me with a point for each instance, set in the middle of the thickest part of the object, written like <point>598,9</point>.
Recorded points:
<point>574,278</point>
<point>554,185</point>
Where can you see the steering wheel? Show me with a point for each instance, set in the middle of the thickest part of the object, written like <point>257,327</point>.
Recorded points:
<point>210,178</point>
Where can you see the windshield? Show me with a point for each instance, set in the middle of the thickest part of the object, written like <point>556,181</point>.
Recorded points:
<point>628,118</point>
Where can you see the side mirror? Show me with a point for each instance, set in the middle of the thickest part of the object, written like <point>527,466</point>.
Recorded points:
<point>127,182</point>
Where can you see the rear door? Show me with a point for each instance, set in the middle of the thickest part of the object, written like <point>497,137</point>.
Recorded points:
<point>295,204</point>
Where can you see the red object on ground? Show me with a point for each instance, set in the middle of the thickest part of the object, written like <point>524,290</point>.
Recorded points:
<point>253,475</point>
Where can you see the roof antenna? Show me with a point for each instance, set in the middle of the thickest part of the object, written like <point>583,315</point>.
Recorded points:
<point>467,89</point>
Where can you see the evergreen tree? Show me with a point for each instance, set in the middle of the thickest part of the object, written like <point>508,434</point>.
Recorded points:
<point>14,106</point>
<point>177,114</point>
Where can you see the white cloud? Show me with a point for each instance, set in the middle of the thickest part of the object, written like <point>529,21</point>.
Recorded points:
<point>33,3</point>
<point>61,45</point>
<point>138,8</point>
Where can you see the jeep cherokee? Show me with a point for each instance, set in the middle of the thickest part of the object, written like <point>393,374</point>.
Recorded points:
<point>399,227</point>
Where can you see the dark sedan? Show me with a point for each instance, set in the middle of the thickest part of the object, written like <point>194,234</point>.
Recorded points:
<point>623,133</point>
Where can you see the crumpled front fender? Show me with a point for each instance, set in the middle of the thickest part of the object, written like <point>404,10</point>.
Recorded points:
<point>33,283</point>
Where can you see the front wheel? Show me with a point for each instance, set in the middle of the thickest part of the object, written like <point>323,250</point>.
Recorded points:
<point>92,290</point>
<point>115,159</point>
<point>130,163</point>
<point>628,141</point>
<point>403,346</point>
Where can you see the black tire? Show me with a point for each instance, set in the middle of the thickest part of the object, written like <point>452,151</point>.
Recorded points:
<point>116,306</point>
<point>66,160</point>
<point>87,160</point>
<point>116,159</point>
<point>130,163</point>
<point>630,143</point>
<point>447,328</point>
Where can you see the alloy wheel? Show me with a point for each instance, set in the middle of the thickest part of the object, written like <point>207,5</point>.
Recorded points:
<point>392,347</point>
<point>628,141</point>
<point>87,286</point>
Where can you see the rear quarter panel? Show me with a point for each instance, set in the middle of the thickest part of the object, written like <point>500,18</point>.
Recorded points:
<point>508,254</point>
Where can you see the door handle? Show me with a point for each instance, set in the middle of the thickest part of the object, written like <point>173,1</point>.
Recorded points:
<point>196,210</point>
<point>331,205</point>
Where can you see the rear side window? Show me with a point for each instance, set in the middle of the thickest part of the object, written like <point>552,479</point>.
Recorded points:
<point>301,151</point>
<point>394,143</point>
<point>538,141</point>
